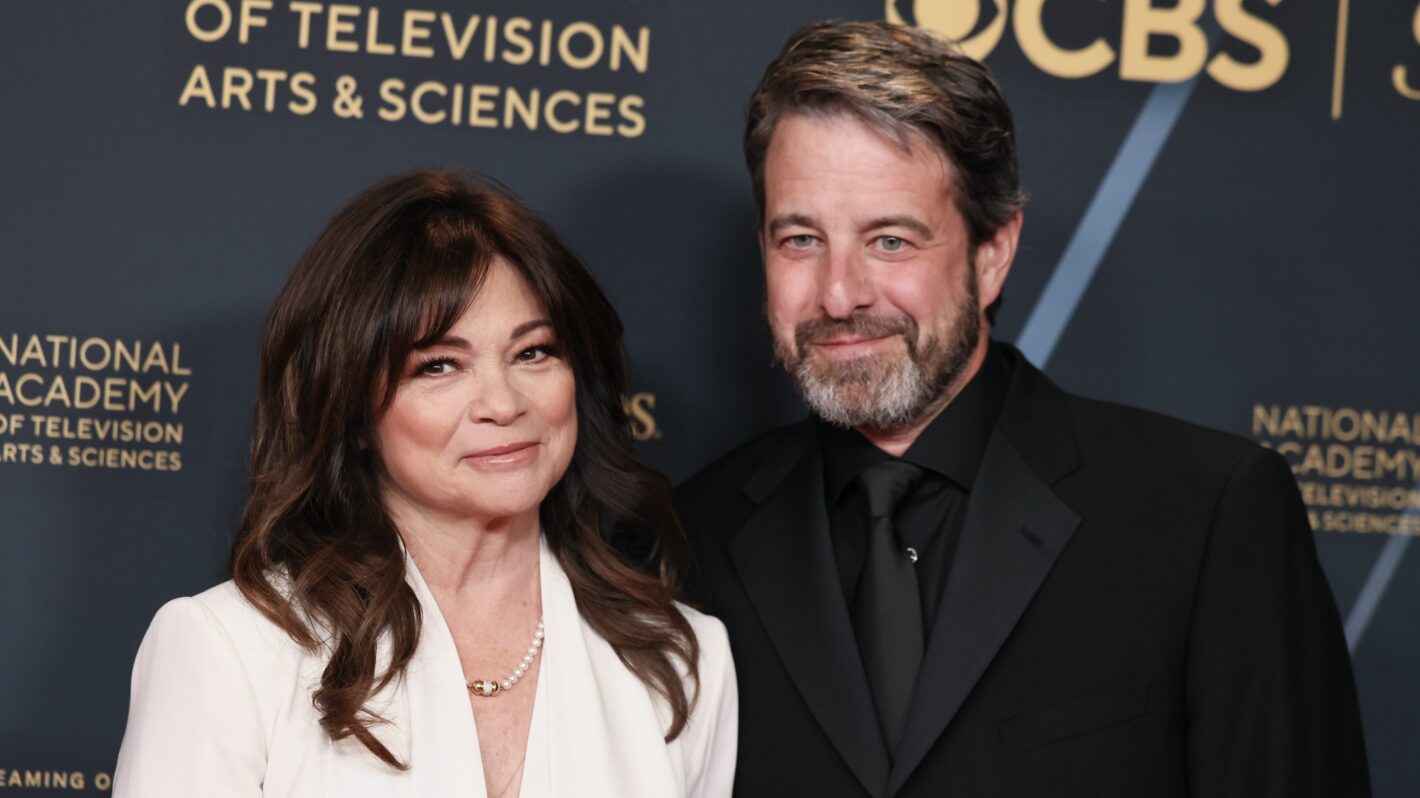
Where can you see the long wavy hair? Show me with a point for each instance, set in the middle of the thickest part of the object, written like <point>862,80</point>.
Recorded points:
<point>317,552</point>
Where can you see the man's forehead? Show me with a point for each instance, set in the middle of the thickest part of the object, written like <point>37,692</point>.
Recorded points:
<point>818,161</point>
<point>831,126</point>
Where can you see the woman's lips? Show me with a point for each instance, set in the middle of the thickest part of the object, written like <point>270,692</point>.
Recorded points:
<point>509,455</point>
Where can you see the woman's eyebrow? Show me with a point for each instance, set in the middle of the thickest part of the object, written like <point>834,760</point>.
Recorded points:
<point>527,327</point>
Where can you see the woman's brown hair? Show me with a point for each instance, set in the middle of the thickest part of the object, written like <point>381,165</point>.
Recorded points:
<point>316,551</point>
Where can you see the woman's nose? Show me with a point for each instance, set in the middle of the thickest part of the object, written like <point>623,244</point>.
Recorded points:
<point>495,399</point>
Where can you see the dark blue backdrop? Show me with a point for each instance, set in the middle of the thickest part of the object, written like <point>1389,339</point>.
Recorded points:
<point>1220,254</point>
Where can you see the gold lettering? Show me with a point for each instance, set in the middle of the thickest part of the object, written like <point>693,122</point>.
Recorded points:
<point>515,31</point>
<point>249,19</point>
<point>598,110</point>
<point>526,111</point>
<point>637,53</point>
<point>1398,76</point>
<point>57,392</point>
<point>481,99</point>
<point>338,22</point>
<point>558,98</point>
<point>458,42</point>
<point>373,45</point>
<point>1266,420</point>
<point>564,48</point>
<point>416,102</point>
<point>139,396</point>
<point>199,86</point>
<point>544,56</point>
<point>304,10</point>
<point>92,385</point>
<point>394,108</point>
<point>630,108</point>
<point>33,352</point>
<point>301,87</point>
<point>490,41</point>
<point>208,34</point>
<point>236,83</point>
<point>1142,21</point>
<point>1051,57</point>
<point>1272,48</point>
<point>175,395</point>
<point>25,379</point>
<point>640,411</point>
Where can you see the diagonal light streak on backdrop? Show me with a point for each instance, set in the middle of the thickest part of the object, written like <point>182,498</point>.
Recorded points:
<point>1107,209</point>
<point>1387,563</point>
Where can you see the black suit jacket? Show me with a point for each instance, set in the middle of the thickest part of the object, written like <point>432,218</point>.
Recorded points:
<point>1134,610</point>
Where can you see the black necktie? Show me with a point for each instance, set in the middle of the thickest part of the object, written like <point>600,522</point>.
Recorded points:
<point>887,611</point>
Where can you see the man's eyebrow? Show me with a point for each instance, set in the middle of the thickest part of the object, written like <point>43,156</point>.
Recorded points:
<point>790,220</point>
<point>909,222</point>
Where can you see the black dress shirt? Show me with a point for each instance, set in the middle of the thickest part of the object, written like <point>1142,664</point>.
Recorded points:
<point>929,520</point>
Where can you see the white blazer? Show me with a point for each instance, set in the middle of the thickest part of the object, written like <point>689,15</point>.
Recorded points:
<point>221,708</point>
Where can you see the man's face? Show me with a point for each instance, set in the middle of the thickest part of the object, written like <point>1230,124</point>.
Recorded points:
<point>874,298</point>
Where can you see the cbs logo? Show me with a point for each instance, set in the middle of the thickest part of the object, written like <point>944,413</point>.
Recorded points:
<point>961,21</point>
<point>956,20</point>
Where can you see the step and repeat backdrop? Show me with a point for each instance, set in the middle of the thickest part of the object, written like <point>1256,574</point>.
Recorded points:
<point>1224,225</point>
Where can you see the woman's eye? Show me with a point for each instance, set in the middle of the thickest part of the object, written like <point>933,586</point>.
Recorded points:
<point>437,366</point>
<point>535,354</point>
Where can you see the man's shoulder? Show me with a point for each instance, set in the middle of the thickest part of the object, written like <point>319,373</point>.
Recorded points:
<point>1060,430</point>
<point>1129,436</point>
<point>715,488</point>
<point>730,470</point>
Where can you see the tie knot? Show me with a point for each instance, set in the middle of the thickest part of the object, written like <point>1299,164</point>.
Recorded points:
<point>886,484</point>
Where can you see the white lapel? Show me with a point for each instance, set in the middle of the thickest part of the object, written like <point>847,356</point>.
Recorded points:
<point>595,730</point>
<point>443,735</point>
<point>430,724</point>
<point>599,733</point>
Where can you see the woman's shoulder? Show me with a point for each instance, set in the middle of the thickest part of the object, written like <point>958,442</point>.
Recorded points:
<point>715,665</point>
<point>710,735</point>
<point>709,631</point>
<point>212,674</point>
<point>221,621</point>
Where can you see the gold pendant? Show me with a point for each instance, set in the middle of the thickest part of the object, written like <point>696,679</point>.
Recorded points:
<point>484,687</point>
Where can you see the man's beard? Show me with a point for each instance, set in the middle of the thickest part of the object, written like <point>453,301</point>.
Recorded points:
<point>882,391</point>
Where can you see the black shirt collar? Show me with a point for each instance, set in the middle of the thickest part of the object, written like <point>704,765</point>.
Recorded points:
<point>952,445</point>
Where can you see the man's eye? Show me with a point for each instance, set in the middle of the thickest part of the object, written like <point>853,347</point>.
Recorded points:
<point>803,241</point>
<point>892,244</point>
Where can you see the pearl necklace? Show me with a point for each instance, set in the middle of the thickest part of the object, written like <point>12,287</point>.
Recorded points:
<point>491,687</point>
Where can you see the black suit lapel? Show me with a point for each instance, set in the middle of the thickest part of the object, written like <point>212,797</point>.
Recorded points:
<point>785,560</point>
<point>1015,528</point>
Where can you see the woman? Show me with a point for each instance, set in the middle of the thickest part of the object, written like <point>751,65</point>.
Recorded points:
<point>452,576</point>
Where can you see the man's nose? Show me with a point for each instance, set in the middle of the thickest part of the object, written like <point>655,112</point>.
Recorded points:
<point>846,285</point>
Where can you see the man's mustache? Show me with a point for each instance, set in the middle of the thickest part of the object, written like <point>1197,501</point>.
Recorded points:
<point>859,325</point>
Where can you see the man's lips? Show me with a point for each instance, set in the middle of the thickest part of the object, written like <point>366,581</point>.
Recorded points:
<point>850,343</point>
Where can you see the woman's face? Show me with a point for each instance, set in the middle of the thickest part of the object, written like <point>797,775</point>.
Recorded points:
<point>483,423</point>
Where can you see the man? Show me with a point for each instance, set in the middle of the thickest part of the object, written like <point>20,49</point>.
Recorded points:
<point>958,579</point>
